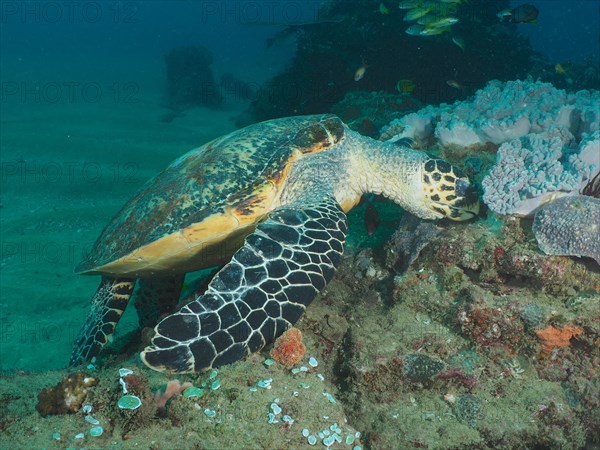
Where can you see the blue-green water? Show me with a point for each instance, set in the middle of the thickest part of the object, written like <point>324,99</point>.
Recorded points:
<point>89,112</point>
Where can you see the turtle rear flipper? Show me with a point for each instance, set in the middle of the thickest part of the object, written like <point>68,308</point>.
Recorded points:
<point>263,291</point>
<point>156,297</point>
<point>108,304</point>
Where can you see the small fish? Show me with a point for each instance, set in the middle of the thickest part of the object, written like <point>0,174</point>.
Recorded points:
<point>525,13</point>
<point>415,30</point>
<point>406,86</point>
<point>409,4</point>
<point>383,9</point>
<point>504,13</point>
<point>371,218</point>
<point>433,31</point>
<point>360,72</point>
<point>455,84</point>
<point>416,13</point>
<point>459,42</point>
<point>441,23</point>
<point>560,69</point>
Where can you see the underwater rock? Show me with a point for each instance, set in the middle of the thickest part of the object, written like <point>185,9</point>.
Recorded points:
<point>532,316</point>
<point>190,80</point>
<point>67,396</point>
<point>569,226</point>
<point>407,242</point>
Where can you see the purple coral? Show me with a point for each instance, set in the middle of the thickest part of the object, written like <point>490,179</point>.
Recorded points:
<point>502,112</point>
<point>569,226</point>
<point>538,168</point>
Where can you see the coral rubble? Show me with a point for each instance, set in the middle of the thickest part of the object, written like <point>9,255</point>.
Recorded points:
<point>67,396</point>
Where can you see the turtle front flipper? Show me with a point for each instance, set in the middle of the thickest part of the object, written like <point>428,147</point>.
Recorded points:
<point>108,304</point>
<point>263,291</point>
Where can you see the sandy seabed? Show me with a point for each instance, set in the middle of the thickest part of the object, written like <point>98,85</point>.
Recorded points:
<point>66,169</point>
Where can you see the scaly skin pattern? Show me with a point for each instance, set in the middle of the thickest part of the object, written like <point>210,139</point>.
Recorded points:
<point>296,178</point>
<point>258,295</point>
<point>226,174</point>
<point>107,307</point>
<point>290,257</point>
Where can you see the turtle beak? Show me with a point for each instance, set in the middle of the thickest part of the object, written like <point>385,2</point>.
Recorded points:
<point>467,204</point>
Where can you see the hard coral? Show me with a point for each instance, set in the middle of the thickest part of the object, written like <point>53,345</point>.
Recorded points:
<point>289,348</point>
<point>67,396</point>
<point>491,327</point>
<point>552,337</point>
<point>569,226</point>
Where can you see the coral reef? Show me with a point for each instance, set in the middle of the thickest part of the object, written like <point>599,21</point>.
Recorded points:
<point>482,342</point>
<point>67,396</point>
<point>569,226</point>
<point>408,241</point>
<point>367,112</point>
<point>538,168</point>
<point>501,112</point>
<point>328,54</point>
<point>491,338</point>
<point>289,348</point>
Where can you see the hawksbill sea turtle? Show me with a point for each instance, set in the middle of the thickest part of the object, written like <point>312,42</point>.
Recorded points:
<point>267,202</point>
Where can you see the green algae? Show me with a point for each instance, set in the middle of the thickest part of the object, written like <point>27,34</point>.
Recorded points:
<point>467,409</point>
<point>467,360</point>
<point>420,368</point>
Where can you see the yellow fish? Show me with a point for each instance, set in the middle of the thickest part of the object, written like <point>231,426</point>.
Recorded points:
<point>360,72</point>
<point>409,4</point>
<point>406,86</point>
<point>414,30</point>
<point>441,23</point>
<point>429,31</point>
<point>454,84</point>
<point>416,13</point>
<point>383,9</point>
<point>559,69</point>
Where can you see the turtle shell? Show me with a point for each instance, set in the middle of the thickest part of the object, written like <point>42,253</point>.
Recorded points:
<point>196,212</point>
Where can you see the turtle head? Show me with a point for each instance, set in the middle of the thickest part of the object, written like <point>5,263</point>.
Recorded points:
<point>447,192</point>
